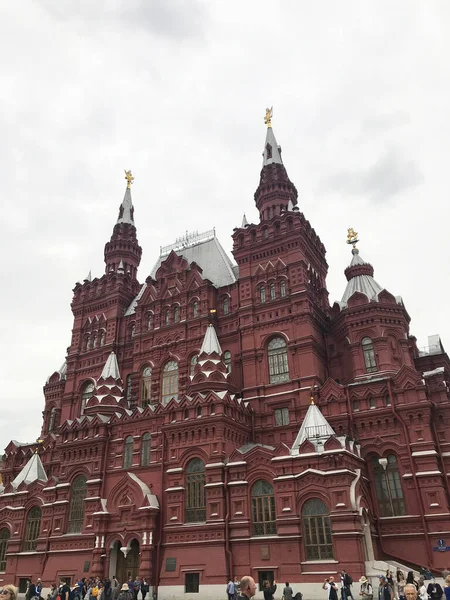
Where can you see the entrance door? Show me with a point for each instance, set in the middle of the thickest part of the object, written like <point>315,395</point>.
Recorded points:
<point>264,576</point>
<point>128,566</point>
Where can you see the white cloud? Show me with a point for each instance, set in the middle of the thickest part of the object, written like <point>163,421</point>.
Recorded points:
<point>176,91</point>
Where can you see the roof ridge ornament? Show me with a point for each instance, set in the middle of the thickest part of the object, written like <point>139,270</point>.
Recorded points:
<point>268,116</point>
<point>129,177</point>
<point>352,237</point>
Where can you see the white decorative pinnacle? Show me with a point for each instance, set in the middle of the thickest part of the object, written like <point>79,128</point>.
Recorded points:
<point>111,368</point>
<point>211,342</point>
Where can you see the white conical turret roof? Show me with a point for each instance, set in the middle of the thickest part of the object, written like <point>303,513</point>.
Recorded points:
<point>272,151</point>
<point>362,282</point>
<point>211,342</point>
<point>244,221</point>
<point>126,211</point>
<point>32,471</point>
<point>314,428</point>
<point>111,368</point>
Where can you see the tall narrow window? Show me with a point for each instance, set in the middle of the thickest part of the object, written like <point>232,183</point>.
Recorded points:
<point>191,583</point>
<point>102,337</point>
<point>150,321</point>
<point>4,539</point>
<point>227,360</point>
<point>272,291</point>
<point>317,530</point>
<point>132,331</point>
<point>167,317</point>
<point>263,508</point>
<point>369,355</point>
<point>87,341</point>
<point>283,288</point>
<point>281,416</point>
<point>169,382</point>
<point>51,421</point>
<point>176,313</point>
<point>262,294</point>
<point>76,510</point>
<point>33,528</point>
<point>128,388</point>
<point>195,491</point>
<point>87,391</point>
<point>193,362</point>
<point>146,386</point>
<point>195,309</point>
<point>226,305</point>
<point>145,449</point>
<point>388,485</point>
<point>128,452</point>
<point>278,360</point>
<point>94,340</point>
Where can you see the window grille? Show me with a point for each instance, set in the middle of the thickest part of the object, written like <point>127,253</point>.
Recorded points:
<point>176,314</point>
<point>169,381</point>
<point>388,487</point>
<point>76,510</point>
<point>128,452</point>
<point>263,509</point>
<point>272,291</point>
<point>281,416</point>
<point>191,583</point>
<point>227,360</point>
<point>283,288</point>
<point>4,539</point>
<point>262,294</point>
<point>195,491</point>
<point>317,530</point>
<point>278,360</point>
<point>33,528</point>
<point>195,309</point>
<point>226,305</point>
<point>370,360</point>
<point>145,449</point>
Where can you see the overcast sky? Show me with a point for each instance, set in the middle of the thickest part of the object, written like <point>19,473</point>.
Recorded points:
<point>175,90</point>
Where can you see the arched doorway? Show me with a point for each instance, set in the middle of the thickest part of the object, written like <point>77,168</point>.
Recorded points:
<point>127,561</point>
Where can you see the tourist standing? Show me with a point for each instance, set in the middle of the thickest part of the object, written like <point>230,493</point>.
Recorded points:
<point>230,589</point>
<point>410,580</point>
<point>366,590</point>
<point>248,588</point>
<point>288,592</point>
<point>385,592</point>
<point>331,588</point>
<point>347,582</point>
<point>269,590</point>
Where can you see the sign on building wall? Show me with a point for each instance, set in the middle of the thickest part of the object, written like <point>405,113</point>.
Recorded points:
<point>171,564</point>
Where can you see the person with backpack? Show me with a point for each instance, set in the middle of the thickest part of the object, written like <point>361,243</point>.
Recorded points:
<point>366,590</point>
<point>125,593</point>
<point>347,582</point>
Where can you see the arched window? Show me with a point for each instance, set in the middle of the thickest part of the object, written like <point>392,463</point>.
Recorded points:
<point>51,422</point>
<point>76,510</point>
<point>283,288</point>
<point>272,291</point>
<point>4,539</point>
<point>388,486</point>
<point>169,381</point>
<point>146,386</point>
<point>128,388</point>
<point>195,309</point>
<point>32,529</point>
<point>263,508</point>
<point>128,452</point>
<point>145,449</point>
<point>167,317</point>
<point>176,313</point>
<point>317,530</point>
<point>262,294</point>
<point>195,491</point>
<point>102,337</point>
<point>87,341</point>
<point>278,360</point>
<point>94,340</point>
<point>150,321</point>
<point>226,305</point>
<point>369,355</point>
<point>193,362</point>
<point>227,360</point>
<point>87,391</point>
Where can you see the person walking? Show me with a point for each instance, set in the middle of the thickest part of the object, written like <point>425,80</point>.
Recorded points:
<point>385,592</point>
<point>434,590</point>
<point>347,582</point>
<point>31,590</point>
<point>288,592</point>
<point>410,580</point>
<point>366,590</point>
<point>331,588</point>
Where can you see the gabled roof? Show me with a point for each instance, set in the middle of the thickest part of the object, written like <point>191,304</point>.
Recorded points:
<point>314,428</point>
<point>210,257</point>
<point>32,471</point>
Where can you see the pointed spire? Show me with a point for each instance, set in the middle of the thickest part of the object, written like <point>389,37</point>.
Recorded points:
<point>88,276</point>
<point>211,342</point>
<point>315,428</point>
<point>359,274</point>
<point>32,471</point>
<point>275,189</point>
<point>120,268</point>
<point>111,368</point>
<point>244,221</point>
<point>126,210</point>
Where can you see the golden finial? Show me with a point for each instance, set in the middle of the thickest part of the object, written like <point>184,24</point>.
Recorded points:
<point>352,237</point>
<point>39,441</point>
<point>268,116</point>
<point>311,394</point>
<point>129,177</point>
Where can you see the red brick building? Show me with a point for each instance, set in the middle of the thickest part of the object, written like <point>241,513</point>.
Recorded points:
<point>222,419</point>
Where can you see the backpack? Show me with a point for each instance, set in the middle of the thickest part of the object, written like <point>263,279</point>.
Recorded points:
<point>73,593</point>
<point>349,580</point>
